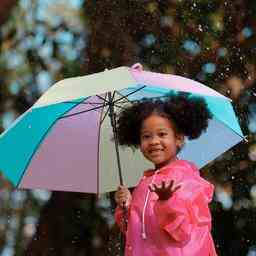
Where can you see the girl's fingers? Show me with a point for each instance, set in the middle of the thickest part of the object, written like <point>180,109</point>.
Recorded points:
<point>155,187</point>
<point>169,186</point>
<point>176,188</point>
<point>122,188</point>
<point>165,185</point>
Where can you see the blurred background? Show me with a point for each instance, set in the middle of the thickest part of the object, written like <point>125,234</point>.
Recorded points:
<point>43,41</point>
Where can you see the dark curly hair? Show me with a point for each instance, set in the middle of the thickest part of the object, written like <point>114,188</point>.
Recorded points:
<point>188,114</point>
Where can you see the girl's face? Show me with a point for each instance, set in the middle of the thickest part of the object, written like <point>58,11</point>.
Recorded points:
<point>159,142</point>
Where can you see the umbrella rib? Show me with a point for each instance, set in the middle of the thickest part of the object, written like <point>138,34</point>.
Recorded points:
<point>116,105</point>
<point>157,97</point>
<point>102,120</point>
<point>104,100</point>
<point>123,97</point>
<point>84,103</point>
<point>113,96</point>
<point>80,112</point>
<point>243,137</point>
<point>130,93</point>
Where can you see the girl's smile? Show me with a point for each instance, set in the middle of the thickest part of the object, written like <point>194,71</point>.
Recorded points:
<point>159,142</point>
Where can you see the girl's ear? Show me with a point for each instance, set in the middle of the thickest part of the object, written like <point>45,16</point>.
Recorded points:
<point>180,138</point>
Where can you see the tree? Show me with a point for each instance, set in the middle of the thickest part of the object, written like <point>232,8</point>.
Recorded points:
<point>210,41</point>
<point>6,7</point>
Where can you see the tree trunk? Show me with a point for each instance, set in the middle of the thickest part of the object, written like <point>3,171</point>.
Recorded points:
<point>6,7</point>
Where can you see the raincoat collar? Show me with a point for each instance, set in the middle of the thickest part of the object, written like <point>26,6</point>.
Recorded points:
<point>162,170</point>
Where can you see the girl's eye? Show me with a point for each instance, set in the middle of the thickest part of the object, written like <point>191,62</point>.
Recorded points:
<point>145,136</point>
<point>162,134</point>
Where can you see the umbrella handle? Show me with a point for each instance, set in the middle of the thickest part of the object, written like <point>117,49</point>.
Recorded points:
<point>125,217</point>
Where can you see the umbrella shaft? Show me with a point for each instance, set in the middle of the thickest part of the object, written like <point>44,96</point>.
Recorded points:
<point>112,116</point>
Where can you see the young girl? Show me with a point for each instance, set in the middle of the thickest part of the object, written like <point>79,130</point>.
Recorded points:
<point>168,211</point>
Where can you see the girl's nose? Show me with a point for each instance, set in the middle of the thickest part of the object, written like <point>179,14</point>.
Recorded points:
<point>154,140</point>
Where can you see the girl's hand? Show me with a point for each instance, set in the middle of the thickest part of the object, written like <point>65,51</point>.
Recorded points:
<point>164,191</point>
<point>123,196</point>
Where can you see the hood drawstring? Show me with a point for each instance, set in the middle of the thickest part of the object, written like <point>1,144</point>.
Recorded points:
<point>143,234</point>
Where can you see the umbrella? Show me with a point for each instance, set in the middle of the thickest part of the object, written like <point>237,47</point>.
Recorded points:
<point>65,140</point>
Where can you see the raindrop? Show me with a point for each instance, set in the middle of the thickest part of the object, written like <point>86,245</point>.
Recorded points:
<point>14,88</point>
<point>167,21</point>
<point>222,52</point>
<point>247,32</point>
<point>8,118</point>
<point>29,230</point>
<point>97,241</point>
<point>194,5</point>
<point>78,215</point>
<point>252,126</point>
<point>209,68</point>
<point>192,47</point>
<point>43,81</point>
<point>252,148</point>
<point>224,198</point>
<point>149,40</point>
<point>40,194</point>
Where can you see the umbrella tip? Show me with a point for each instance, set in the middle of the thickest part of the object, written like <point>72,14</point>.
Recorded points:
<point>246,139</point>
<point>137,66</point>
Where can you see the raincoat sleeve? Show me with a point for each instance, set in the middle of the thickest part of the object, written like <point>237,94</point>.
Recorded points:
<point>187,208</point>
<point>119,217</point>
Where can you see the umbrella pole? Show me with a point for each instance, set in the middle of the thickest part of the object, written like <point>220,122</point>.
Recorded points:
<point>112,116</point>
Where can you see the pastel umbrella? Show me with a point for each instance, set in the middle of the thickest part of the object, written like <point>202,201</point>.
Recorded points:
<point>65,140</point>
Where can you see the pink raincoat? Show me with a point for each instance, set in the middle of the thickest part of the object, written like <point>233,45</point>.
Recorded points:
<point>178,226</point>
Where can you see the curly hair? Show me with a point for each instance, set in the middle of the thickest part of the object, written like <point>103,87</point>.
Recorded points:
<point>188,114</point>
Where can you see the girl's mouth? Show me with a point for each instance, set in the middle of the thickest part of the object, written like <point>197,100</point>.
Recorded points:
<point>155,151</point>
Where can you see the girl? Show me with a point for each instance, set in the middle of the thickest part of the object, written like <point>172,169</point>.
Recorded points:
<point>168,211</point>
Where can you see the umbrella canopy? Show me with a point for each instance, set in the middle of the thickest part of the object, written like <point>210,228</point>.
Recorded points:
<point>65,141</point>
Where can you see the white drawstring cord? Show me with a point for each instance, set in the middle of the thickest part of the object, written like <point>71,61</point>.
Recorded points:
<point>144,235</point>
